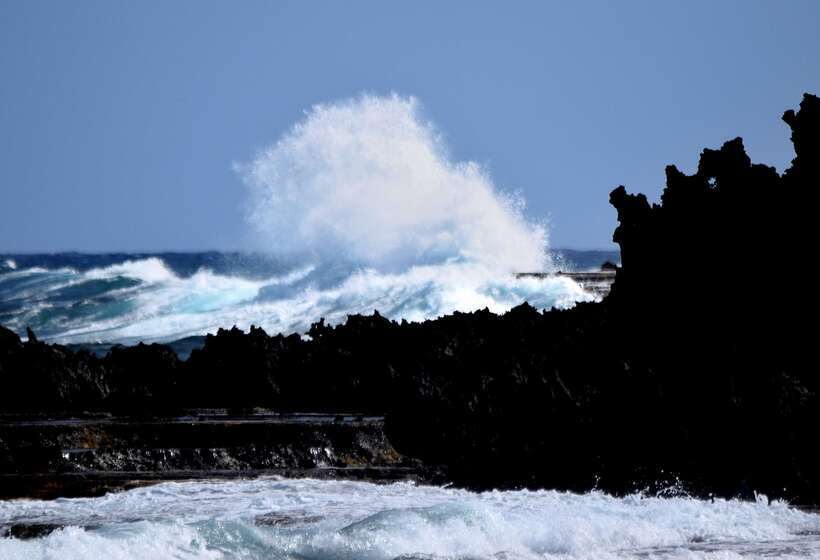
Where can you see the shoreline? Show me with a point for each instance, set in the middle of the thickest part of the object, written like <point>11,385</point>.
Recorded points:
<point>90,455</point>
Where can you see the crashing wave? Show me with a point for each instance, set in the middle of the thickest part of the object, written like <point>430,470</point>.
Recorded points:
<point>147,300</point>
<point>364,195</point>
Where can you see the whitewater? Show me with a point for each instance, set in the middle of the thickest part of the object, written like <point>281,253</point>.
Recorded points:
<point>275,518</point>
<point>357,207</point>
<point>147,300</point>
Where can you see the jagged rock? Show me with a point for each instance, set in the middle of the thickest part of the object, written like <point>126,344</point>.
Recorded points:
<point>235,369</point>
<point>27,531</point>
<point>142,378</point>
<point>39,376</point>
<point>275,519</point>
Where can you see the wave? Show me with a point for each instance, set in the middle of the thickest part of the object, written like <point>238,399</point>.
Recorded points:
<point>359,207</point>
<point>336,520</point>
<point>147,300</point>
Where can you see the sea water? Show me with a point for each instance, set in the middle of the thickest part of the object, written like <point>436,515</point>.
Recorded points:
<point>127,298</point>
<point>276,518</point>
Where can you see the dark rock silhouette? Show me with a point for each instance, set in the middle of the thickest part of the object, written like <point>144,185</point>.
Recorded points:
<point>40,376</point>
<point>691,371</point>
<point>142,379</point>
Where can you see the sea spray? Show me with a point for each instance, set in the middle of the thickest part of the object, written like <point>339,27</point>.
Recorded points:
<point>369,179</point>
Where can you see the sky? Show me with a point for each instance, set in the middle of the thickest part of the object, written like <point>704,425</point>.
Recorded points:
<point>121,122</point>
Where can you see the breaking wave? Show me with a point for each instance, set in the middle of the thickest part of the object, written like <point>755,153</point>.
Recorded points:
<point>148,300</point>
<point>356,208</point>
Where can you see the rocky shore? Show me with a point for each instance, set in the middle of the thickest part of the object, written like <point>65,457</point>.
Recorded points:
<point>88,455</point>
<point>679,377</point>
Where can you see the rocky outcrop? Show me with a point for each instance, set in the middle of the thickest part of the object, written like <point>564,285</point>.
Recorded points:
<point>87,455</point>
<point>37,375</point>
<point>681,375</point>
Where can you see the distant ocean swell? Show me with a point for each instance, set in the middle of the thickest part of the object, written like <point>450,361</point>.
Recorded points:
<point>128,298</point>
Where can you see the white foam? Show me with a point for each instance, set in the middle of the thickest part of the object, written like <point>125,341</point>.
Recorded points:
<point>155,541</point>
<point>150,270</point>
<point>369,178</point>
<point>10,264</point>
<point>372,521</point>
<point>170,307</point>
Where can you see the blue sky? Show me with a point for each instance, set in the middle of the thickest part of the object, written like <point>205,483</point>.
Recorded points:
<point>120,121</point>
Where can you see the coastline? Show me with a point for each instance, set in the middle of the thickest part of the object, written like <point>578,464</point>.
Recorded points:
<point>675,377</point>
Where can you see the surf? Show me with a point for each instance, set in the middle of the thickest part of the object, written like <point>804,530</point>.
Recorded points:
<point>324,520</point>
<point>148,300</point>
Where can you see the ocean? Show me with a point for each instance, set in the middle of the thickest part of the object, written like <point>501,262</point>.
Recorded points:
<point>95,300</point>
<point>333,520</point>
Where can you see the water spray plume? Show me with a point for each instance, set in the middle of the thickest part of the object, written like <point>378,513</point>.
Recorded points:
<point>370,179</point>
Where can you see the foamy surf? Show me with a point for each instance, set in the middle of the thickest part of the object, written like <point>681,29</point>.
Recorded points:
<point>146,300</point>
<point>312,519</point>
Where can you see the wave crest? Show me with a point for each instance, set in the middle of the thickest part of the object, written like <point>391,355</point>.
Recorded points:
<point>146,300</point>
